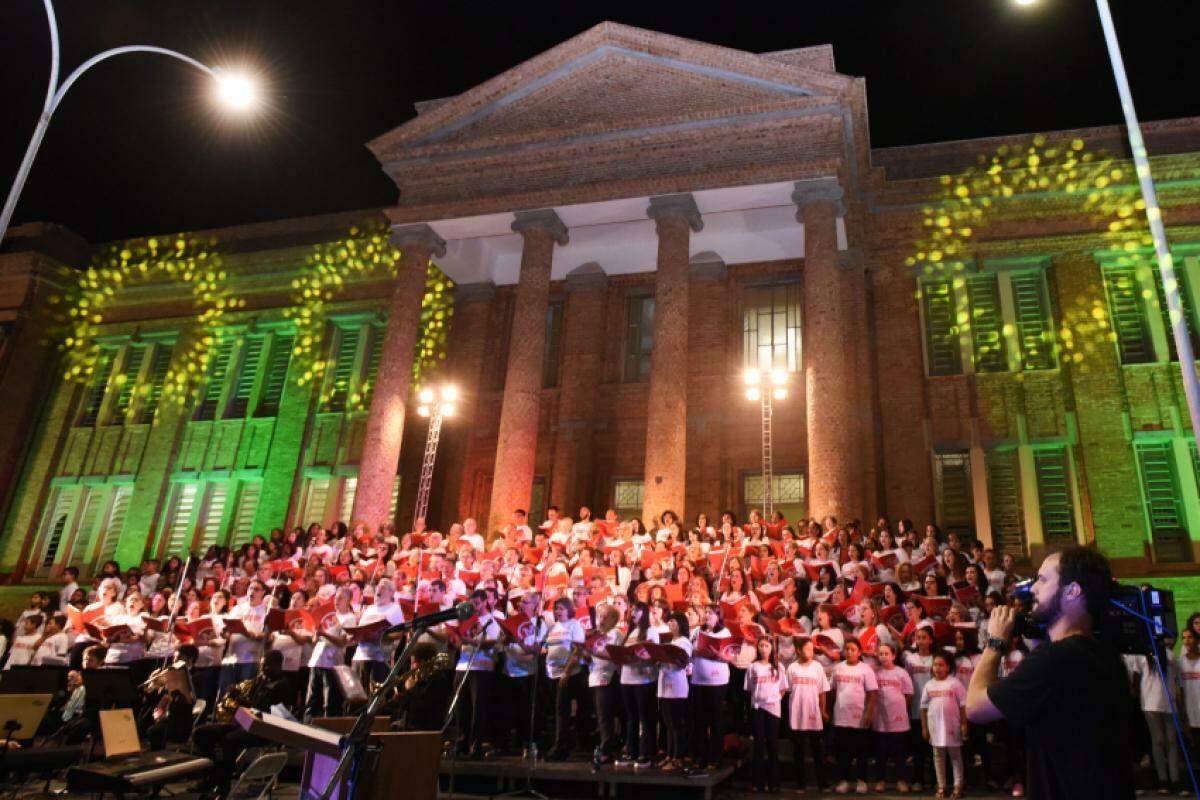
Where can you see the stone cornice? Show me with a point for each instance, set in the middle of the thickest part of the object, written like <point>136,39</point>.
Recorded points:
<point>545,220</point>
<point>419,235</point>
<point>821,190</point>
<point>672,205</point>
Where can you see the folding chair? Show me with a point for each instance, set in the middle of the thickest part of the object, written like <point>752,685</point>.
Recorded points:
<point>258,780</point>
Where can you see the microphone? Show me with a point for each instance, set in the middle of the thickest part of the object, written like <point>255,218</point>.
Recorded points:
<point>461,612</point>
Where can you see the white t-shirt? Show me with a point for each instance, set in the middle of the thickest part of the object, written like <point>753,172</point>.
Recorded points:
<point>558,647</point>
<point>943,701</point>
<point>53,651</point>
<point>483,660</point>
<point>326,654</point>
<point>852,684</point>
<point>517,662</point>
<point>891,704</point>
<point>673,682</point>
<point>1150,687</point>
<point>1189,680</point>
<point>602,671</point>
<point>378,650</point>
<point>766,684</point>
<point>920,668</point>
<point>243,649</point>
<point>127,652</point>
<point>708,671</point>
<point>995,579</point>
<point>806,684</point>
<point>22,650</point>
<point>964,668</point>
<point>642,672</point>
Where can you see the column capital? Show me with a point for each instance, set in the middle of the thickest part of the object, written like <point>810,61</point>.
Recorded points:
<point>545,219</point>
<point>419,235</point>
<point>587,277</point>
<point>819,190</point>
<point>683,205</point>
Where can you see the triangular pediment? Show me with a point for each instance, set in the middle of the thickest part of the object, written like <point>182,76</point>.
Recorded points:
<point>610,77</point>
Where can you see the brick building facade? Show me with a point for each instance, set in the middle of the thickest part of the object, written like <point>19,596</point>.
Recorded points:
<point>630,220</point>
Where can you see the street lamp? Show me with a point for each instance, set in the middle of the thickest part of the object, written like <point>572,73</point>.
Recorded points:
<point>234,90</point>
<point>1166,265</point>
<point>435,404</point>
<point>765,389</point>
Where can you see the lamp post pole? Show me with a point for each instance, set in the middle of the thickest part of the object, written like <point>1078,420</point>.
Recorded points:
<point>55,93</point>
<point>766,389</point>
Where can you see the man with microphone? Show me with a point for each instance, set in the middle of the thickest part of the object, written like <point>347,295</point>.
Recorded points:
<point>1070,695</point>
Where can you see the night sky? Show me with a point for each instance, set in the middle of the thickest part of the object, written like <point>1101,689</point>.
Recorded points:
<point>138,148</point>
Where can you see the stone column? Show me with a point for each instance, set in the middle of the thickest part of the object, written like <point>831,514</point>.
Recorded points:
<point>583,319</point>
<point>675,217</point>
<point>833,485</point>
<point>385,423</point>
<point>512,486</point>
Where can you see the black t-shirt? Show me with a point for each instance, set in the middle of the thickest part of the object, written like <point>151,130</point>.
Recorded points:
<point>1072,700</point>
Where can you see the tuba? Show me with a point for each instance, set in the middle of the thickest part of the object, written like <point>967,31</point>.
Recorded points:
<point>234,696</point>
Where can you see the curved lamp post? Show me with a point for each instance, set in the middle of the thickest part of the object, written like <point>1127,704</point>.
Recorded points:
<point>236,91</point>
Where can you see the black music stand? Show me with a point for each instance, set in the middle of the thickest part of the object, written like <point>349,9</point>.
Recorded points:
<point>111,687</point>
<point>33,680</point>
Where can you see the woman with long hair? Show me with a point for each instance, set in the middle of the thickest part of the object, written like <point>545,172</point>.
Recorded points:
<point>766,684</point>
<point>637,690</point>
<point>710,684</point>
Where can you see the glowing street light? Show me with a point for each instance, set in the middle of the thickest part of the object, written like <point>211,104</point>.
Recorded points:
<point>435,404</point>
<point>1166,265</point>
<point>234,90</point>
<point>765,389</point>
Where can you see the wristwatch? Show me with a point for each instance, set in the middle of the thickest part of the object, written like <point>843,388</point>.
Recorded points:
<point>999,645</point>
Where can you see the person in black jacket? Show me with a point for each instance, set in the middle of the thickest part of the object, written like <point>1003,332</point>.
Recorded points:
<point>1070,696</point>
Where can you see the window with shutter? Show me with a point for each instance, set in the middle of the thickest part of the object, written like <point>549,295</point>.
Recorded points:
<point>110,534</point>
<point>629,497</point>
<point>127,382</point>
<point>1032,312</point>
<point>1185,300</point>
<point>371,370</point>
<point>93,506</point>
<point>343,368</point>
<point>179,521</point>
<point>771,327</point>
<point>97,386</point>
<point>349,488</point>
<point>941,328</point>
<point>639,338</point>
<point>315,498</point>
<point>1004,502</point>
<point>212,517</point>
<point>987,337</point>
<point>247,374</point>
<point>955,497</point>
<point>219,363</point>
<point>159,364</point>
<point>1164,503</point>
<point>1055,498</point>
<point>1128,314</point>
<point>276,377</point>
<point>243,516</point>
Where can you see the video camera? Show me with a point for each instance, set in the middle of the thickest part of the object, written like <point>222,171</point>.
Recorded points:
<point>1123,625</point>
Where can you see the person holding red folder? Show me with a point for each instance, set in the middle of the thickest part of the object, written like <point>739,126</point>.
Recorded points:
<point>673,694</point>
<point>638,689</point>
<point>710,685</point>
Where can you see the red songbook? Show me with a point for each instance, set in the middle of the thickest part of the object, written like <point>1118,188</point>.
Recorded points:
<point>752,632</point>
<point>869,639</point>
<point>532,555</point>
<point>339,573</point>
<point>157,624</point>
<point>234,625</point>
<point>935,607</point>
<point>772,602</point>
<point>106,632</point>
<point>416,539</point>
<point>886,561</point>
<point>775,531</point>
<point>717,648</point>
<point>371,632</point>
<point>790,626</point>
<point>665,654</point>
<point>827,646</point>
<point>197,630</point>
<point>787,568</point>
<point>369,567</point>
<point>765,597</point>
<point>674,592</point>
<point>804,552</point>
<point>836,610</point>
<point>924,565</point>
<point>409,607</point>
<point>757,568</point>
<point>622,546</point>
<point>598,596</point>
<point>276,620</point>
<point>519,627</point>
<point>968,596</point>
<point>729,611</point>
<point>469,577</point>
<point>716,560</point>
<point>814,569</point>
<point>777,549</point>
<point>584,615</point>
<point>891,615</point>
<point>325,616</point>
<point>943,633</point>
<point>909,628</point>
<point>864,589</point>
<point>594,641</point>
<point>557,580</point>
<point>624,654</point>
<point>79,619</point>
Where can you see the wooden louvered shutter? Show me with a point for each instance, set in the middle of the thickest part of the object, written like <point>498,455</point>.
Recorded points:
<point>941,328</point>
<point>58,526</point>
<point>159,364</point>
<point>218,370</point>
<point>1128,314</point>
<point>243,518</point>
<point>1188,311</point>
<point>214,515</point>
<point>987,337</point>
<point>97,387</point>
<point>1055,498</point>
<point>1032,314</point>
<point>243,387</point>
<point>343,368</point>
<point>955,497</point>
<point>1004,502</point>
<point>111,534</point>
<point>129,381</point>
<point>374,356</point>
<point>276,377</point>
<point>1164,505</point>
<point>179,523</point>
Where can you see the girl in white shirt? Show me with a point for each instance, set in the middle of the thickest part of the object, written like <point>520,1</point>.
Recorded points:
<point>637,690</point>
<point>808,711</point>
<point>766,684</point>
<point>55,644</point>
<point>855,690</point>
<point>673,694</point>
<point>128,647</point>
<point>891,718</point>
<point>324,695</point>
<point>710,686</point>
<point>25,642</point>
<point>564,668</point>
<point>920,668</point>
<point>606,692</point>
<point>944,721</point>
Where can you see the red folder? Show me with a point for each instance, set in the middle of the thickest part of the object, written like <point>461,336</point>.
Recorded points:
<point>752,632</point>
<point>106,632</point>
<point>158,624</point>
<point>197,630</point>
<point>729,611</point>
<point>887,560</point>
<point>674,592</point>
<point>79,619</point>
<point>869,639</point>
<point>936,607</point>
<point>924,565</point>
<point>665,654</point>
<point>968,596</point>
<point>827,646</point>
<point>234,625</point>
<point>371,632</point>
<point>890,615</point>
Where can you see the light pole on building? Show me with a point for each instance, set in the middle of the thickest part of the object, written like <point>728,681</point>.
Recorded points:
<point>1162,250</point>
<point>436,404</point>
<point>765,389</point>
<point>234,90</point>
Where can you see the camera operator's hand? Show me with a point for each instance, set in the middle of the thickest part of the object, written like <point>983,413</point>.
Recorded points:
<point>1001,623</point>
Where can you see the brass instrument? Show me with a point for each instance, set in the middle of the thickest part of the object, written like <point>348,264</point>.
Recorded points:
<point>421,672</point>
<point>234,696</point>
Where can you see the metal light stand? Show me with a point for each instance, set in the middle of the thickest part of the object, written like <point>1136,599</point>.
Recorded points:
<point>768,410</point>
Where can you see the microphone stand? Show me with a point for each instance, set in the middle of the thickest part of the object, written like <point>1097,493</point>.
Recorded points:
<point>175,612</point>
<point>354,744</point>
